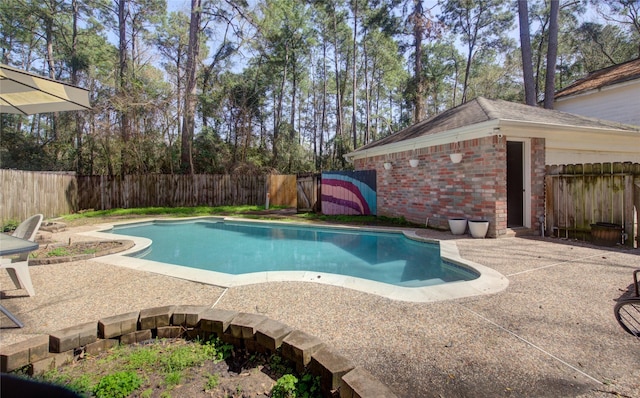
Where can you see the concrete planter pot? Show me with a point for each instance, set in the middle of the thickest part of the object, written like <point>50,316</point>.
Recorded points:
<point>478,228</point>
<point>458,226</point>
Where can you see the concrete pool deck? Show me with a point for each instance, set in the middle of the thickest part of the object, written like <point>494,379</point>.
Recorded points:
<point>550,333</point>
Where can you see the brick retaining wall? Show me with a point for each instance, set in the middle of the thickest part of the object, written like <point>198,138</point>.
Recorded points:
<point>255,332</point>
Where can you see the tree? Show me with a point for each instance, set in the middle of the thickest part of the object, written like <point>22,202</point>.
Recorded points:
<point>424,27</point>
<point>598,46</point>
<point>439,73</point>
<point>285,48</point>
<point>188,121</point>
<point>623,12</point>
<point>527,59</point>
<point>482,24</point>
<point>552,55</point>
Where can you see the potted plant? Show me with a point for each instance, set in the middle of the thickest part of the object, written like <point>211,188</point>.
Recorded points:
<point>478,228</point>
<point>458,226</point>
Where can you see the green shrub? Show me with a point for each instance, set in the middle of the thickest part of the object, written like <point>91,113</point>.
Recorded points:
<point>279,365</point>
<point>58,252</point>
<point>289,386</point>
<point>10,226</point>
<point>212,382</point>
<point>81,385</point>
<point>308,386</point>
<point>117,385</point>
<point>285,387</point>
<point>173,378</point>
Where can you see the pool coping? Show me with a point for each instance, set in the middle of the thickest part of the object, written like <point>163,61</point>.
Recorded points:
<point>490,281</point>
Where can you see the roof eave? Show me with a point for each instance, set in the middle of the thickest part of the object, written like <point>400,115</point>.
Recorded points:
<point>528,129</point>
<point>507,127</point>
<point>477,130</point>
<point>589,91</point>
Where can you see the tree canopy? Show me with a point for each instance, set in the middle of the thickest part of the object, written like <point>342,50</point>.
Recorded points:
<point>227,86</point>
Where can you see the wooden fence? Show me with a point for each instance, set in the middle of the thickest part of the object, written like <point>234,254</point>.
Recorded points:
<point>282,190</point>
<point>173,190</point>
<point>24,193</point>
<point>308,187</point>
<point>578,196</point>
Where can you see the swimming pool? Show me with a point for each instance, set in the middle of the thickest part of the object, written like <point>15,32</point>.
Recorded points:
<point>487,280</point>
<point>243,247</point>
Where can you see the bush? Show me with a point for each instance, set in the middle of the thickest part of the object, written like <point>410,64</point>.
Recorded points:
<point>117,385</point>
<point>10,226</point>
<point>285,387</point>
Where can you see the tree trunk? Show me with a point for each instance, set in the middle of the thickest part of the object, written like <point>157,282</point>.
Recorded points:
<point>122,84</point>
<point>418,33</point>
<point>354,130</point>
<point>294,88</point>
<point>324,104</point>
<point>552,55</point>
<point>339,111</point>
<point>188,125</point>
<point>74,81</point>
<point>467,70</point>
<point>278,118</point>
<point>525,48</point>
<point>367,123</point>
<point>52,70</point>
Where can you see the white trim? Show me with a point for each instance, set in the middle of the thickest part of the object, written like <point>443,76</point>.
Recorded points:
<point>571,137</point>
<point>479,130</point>
<point>567,97</point>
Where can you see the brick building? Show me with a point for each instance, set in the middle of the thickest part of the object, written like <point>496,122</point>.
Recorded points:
<point>505,148</point>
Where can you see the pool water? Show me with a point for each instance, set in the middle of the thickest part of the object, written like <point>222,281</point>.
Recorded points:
<point>240,248</point>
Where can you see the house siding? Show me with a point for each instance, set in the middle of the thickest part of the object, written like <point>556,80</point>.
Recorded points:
<point>438,189</point>
<point>618,103</point>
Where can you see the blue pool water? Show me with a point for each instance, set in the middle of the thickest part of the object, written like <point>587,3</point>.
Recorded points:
<point>239,248</point>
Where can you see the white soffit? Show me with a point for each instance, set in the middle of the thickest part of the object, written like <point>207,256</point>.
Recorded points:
<point>557,136</point>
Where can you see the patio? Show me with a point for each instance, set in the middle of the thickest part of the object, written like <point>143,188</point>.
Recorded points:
<point>550,333</point>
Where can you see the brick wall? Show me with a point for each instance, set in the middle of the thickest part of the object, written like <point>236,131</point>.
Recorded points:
<point>438,189</point>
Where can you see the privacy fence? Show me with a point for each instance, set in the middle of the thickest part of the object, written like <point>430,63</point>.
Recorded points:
<point>579,197</point>
<point>24,193</point>
<point>172,190</point>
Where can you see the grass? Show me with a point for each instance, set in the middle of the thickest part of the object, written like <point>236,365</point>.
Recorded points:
<point>213,381</point>
<point>246,211</point>
<point>157,368</point>
<point>240,211</point>
<point>165,211</point>
<point>58,252</point>
<point>128,368</point>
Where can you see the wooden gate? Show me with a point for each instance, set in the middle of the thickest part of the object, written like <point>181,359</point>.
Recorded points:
<point>578,196</point>
<point>308,192</point>
<point>282,190</point>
